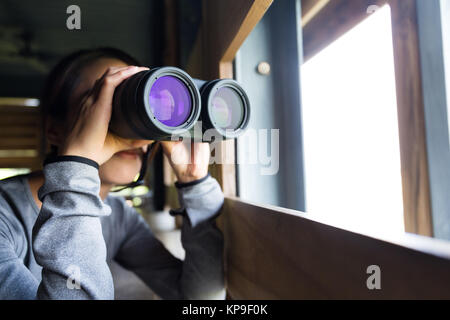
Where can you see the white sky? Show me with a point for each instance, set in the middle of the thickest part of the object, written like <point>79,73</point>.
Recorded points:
<point>351,142</point>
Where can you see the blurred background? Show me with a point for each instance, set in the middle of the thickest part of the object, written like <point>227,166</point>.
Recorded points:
<point>358,89</point>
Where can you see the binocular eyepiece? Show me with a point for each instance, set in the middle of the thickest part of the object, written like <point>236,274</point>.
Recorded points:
<point>159,103</point>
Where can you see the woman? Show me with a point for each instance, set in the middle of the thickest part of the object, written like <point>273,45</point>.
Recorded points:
<point>59,227</point>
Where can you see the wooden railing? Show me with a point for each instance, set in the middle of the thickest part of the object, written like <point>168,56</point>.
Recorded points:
<point>276,253</point>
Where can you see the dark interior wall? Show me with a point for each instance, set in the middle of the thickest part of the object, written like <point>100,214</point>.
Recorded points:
<point>188,20</point>
<point>34,36</point>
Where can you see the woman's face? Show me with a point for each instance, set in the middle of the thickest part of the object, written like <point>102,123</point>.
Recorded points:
<point>123,166</point>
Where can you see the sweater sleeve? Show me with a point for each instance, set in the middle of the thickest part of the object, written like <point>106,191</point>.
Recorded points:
<point>16,281</point>
<point>201,274</point>
<point>67,236</point>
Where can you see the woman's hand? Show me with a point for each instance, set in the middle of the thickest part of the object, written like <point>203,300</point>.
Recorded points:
<point>188,165</point>
<point>88,134</point>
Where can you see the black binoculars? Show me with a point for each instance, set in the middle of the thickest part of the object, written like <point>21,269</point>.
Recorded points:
<point>159,103</point>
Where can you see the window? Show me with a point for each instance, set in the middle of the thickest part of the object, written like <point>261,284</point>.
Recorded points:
<point>350,127</point>
<point>445,17</point>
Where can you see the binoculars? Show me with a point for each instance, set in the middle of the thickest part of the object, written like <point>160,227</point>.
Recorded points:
<point>159,103</point>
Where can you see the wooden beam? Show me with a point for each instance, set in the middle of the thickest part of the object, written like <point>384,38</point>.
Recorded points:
<point>275,253</point>
<point>19,143</point>
<point>334,20</point>
<point>226,24</point>
<point>32,163</point>
<point>9,131</point>
<point>20,129</point>
<point>310,8</point>
<point>410,104</point>
<point>28,102</point>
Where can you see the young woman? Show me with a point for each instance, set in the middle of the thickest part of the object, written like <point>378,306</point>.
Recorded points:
<point>59,227</point>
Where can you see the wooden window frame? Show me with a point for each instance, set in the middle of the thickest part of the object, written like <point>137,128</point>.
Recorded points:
<point>276,253</point>
<point>335,19</point>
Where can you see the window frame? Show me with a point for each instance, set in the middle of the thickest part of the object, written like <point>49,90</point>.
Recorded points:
<point>272,252</point>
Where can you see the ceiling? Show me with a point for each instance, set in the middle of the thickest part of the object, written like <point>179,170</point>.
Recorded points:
<point>34,36</point>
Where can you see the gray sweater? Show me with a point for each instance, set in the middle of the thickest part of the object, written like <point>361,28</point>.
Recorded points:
<point>62,251</point>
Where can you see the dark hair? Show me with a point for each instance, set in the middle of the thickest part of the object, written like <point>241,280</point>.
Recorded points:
<point>65,77</point>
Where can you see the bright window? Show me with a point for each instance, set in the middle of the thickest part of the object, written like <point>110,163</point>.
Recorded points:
<point>351,141</point>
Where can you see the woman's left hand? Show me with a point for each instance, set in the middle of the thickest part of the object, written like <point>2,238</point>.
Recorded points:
<point>188,165</point>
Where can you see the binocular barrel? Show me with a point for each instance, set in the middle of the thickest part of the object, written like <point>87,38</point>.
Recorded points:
<point>162,102</point>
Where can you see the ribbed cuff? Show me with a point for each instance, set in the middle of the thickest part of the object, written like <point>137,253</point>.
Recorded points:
<point>84,160</point>
<point>180,185</point>
<point>200,202</point>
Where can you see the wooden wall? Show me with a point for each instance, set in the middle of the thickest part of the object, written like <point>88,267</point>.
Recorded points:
<point>20,135</point>
<point>275,253</point>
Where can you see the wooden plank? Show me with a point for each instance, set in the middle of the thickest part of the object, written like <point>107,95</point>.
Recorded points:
<point>21,102</point>
<point>22,153</point>
<point>32,163</point>
<point>19,143</point>
<point>9,131</point>
<point>275,253</point>
<point>225,26</point>
<point>410,104</point>
<point>310,8</point>
<point>20,128</point>
<point>19,119</point>
<point>334,20</point>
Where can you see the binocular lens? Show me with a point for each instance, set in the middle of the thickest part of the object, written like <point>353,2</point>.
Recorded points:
<point>227,109</point>
<point>155,104</point>
<point>161,103</point>
<point>170,101</point>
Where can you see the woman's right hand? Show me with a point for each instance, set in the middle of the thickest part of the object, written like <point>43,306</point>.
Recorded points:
<point>89,136</point>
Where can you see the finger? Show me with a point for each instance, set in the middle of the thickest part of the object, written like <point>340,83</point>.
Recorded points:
<point>111,81</point>
<point>92,92</point>
<point>114,70</point>
<point>104,97</point>
<point>111,71</point>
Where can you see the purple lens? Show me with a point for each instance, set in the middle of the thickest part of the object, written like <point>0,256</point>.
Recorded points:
<point>170,101</point>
